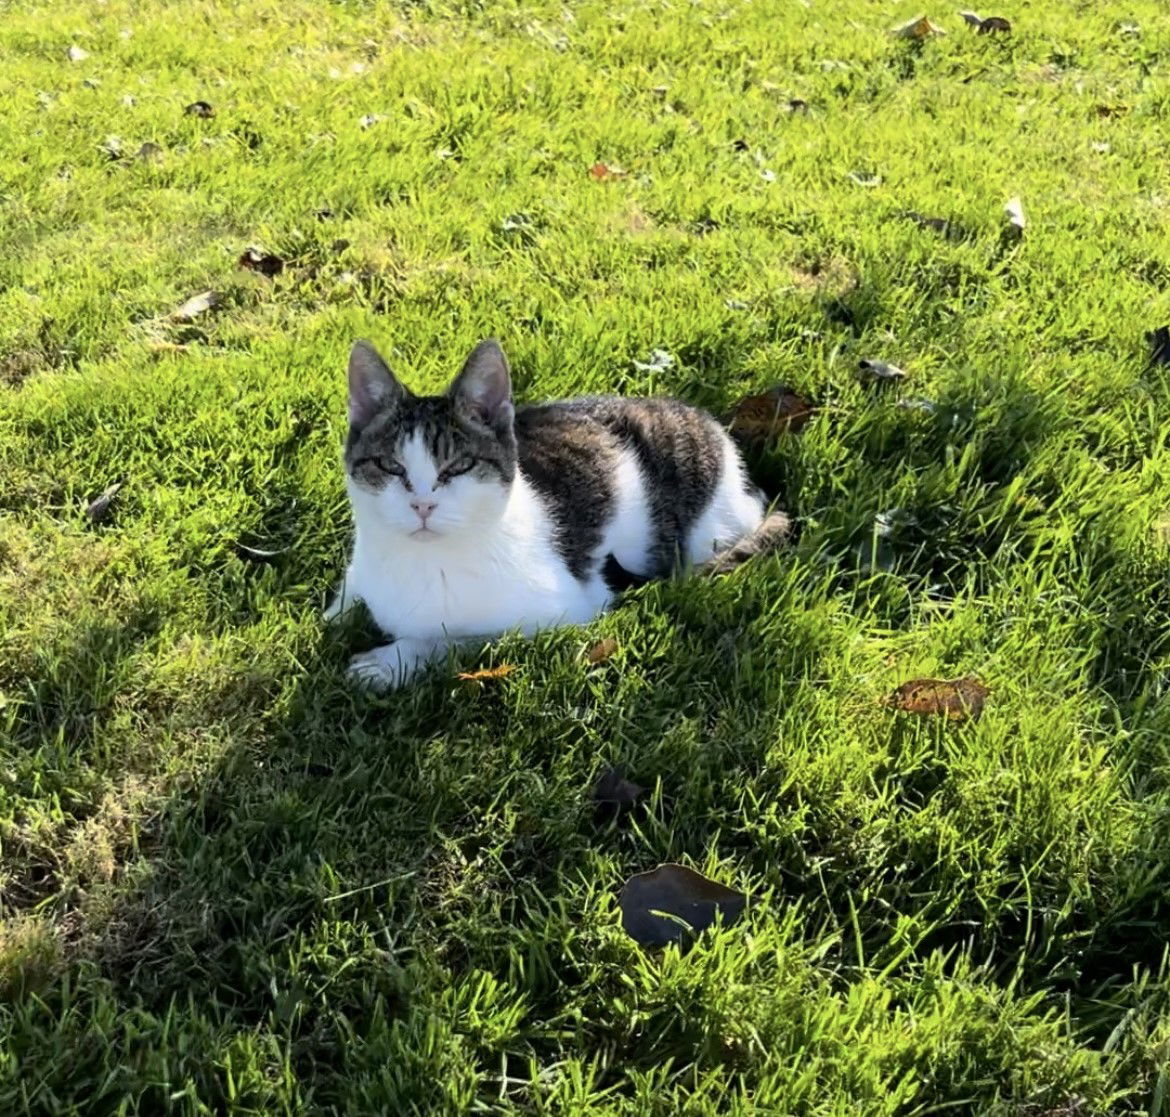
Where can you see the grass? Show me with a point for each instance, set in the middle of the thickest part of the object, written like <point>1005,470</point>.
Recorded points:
<point>230,885</point>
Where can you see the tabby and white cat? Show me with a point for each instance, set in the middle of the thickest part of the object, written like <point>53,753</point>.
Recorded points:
<point>474,517</point>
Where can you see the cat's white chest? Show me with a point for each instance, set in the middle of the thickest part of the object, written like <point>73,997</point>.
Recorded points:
<point>506,578</point>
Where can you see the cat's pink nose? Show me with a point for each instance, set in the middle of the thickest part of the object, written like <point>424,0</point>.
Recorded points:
<point>424,508</point>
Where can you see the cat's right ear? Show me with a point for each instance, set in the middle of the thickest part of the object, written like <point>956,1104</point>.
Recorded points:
<point>372,386</point>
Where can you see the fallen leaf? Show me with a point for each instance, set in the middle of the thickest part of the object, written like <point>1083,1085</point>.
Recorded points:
<point>613,795</point>
<point>602,650</point>
<point>502,671</point>
<point>918,29</point>
<point>776,411</point>
<point>660,360</point>
<point>672,903</point>
<point>1159,340</point>
<point>927,406</point>
<point>938,224</point>
<point>994,25</point>
<point>258,554</point>
<point>202,109</point>
<point>1015,215</point>
<point>957,699</point>
<point>879,370</point>
<point>604,172</point>
<point>76,54</point>
<point>195,306</point>
<point>149,152</point>
<point>99,508</point>
<point>255,259</point>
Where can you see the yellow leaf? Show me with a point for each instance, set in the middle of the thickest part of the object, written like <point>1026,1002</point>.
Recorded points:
<point>484,673</point>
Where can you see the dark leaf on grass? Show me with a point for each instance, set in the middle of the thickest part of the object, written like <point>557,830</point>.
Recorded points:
<point>956,699</point>
<point>267,264</point>
<point>673,903</point>
<point>201,109</point>
<point>777,411</point>
<point>195,306</point>
<point>938,224</point>
<point>879,371</point>
<point>995,25</point>
<point>740,145</point>
<point>99,507</point>
<point>1159,340</point>
<point>614,795</point>
<point>258,554</point>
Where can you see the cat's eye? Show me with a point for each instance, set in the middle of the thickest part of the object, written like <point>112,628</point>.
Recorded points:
<point>455,468</point>
<point>390,466</point>
<point>383,465</point>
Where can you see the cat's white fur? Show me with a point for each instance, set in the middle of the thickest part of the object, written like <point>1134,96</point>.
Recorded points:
<point>489,564</point>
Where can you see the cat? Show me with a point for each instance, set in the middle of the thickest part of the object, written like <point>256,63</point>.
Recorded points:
<point>474,517</point>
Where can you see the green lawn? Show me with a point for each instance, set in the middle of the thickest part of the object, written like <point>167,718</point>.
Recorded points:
<point>230,885</point>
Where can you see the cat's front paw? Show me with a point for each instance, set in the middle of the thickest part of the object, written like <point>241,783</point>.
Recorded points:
<point>390,666</point>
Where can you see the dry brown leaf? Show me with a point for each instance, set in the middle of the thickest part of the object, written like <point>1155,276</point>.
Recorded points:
<point>195,306</point>
<point>502,671</point>
<point>602,650</point>
<point>956,699</point>
<point>918,29</point>
<point>604,172</point>
<point>777,411</point>
<point>266,263</point>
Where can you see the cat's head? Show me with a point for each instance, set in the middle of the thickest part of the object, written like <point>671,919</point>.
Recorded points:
<point>429,467</point>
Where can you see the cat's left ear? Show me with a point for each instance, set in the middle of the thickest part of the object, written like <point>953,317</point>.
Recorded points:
<point>483,390</point>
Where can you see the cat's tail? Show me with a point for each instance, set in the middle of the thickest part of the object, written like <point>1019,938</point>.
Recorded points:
<point>774,533</point>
